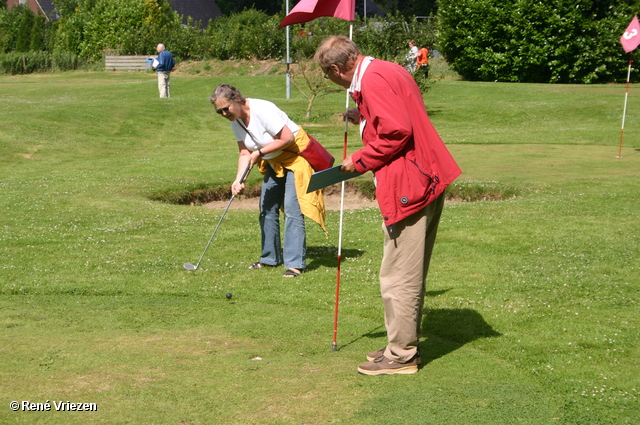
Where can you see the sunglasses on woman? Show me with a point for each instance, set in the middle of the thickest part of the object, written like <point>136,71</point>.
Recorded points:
<point>221,110</point>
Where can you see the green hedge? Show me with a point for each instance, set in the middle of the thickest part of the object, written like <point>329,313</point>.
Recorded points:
<point>135,27</point>
<point>555,41</point>
<point>29,62</point>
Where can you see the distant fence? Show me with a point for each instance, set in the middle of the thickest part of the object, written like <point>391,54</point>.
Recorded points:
<point>127,63</point>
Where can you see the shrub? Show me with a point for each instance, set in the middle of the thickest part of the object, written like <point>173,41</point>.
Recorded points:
<point>558,41</point>
<point>15,28</point>
<point>383,38</point>
<point>64,61</point>
<point>247,35</point>
<point>24,62</point>
<point>421,77</point>
<point>28,62</point>
<point>123,26</point>
<point>90,28</point>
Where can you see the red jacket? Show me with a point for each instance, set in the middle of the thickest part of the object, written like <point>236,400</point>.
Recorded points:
<point>410,161</point>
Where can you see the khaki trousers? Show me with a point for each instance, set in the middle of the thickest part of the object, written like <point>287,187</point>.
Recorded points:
<point>405,264</point>
<point>163,83</point>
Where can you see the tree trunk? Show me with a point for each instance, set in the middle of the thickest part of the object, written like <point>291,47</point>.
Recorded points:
<point>310,104</point>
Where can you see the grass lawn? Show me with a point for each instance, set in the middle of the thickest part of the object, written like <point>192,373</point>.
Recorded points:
<point>532,304</point>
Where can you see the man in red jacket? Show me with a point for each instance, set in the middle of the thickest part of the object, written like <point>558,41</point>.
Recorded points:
<point>412,167</point>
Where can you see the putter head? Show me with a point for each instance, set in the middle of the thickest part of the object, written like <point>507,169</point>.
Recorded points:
<point>190,266</point>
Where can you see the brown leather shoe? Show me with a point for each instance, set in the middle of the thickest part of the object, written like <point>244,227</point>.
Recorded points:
<point>375,354</point>
<point>384,366</point>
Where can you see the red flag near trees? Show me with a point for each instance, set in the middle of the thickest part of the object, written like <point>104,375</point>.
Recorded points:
<point>308,10</point>
<point>631,37</point>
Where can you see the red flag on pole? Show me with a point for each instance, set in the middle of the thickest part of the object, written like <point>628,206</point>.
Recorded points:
<point>631,37</point>
<point>308,10</point>
<point>305,11</point>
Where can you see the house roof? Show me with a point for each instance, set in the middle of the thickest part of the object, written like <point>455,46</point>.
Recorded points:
<point>40,7</point>
<point>47,8</point>
<point>198,10</point>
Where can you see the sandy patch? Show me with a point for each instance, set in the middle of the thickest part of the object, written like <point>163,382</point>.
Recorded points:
<point>353,200</point>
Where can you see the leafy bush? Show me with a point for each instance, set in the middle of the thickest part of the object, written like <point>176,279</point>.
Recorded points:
<point>25,23</point>
<point>28,62</point>
<point>64,61</point>
<point>88,28</point>
<point>307,37</point>
<point>246,35</point>
<point>421,77</point>
<point>24,62</point>
<point>558,41</point>
<point>20,30</point>
<point>122,26</point>
<point>387,38</point>
<point>383,38</point>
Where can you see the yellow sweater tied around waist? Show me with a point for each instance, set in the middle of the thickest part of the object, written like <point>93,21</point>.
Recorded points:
<point>311,204</point>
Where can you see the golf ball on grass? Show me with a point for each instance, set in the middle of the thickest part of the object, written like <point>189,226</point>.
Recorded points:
<point>229,295</point>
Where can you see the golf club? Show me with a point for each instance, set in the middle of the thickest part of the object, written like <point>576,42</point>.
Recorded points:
<point>190,266</point>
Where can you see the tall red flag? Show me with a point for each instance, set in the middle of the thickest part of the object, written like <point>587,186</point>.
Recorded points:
<point>631,37</point>
<point>308,10</point>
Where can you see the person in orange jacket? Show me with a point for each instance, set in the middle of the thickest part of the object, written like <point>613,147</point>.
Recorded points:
<point>423,57</point>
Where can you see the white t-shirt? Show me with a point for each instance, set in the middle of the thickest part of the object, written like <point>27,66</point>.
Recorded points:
<point>265,122</point>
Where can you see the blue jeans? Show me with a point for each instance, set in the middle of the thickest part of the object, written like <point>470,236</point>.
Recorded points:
<point>277,191</point>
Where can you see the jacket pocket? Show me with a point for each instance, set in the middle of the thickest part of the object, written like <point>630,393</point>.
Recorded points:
<point>415,185</point>
<point>403,188</point>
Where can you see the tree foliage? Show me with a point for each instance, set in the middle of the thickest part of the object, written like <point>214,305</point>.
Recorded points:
<point>387,38</point>
<point>383,38</point>
<point>246,35</point>
<point>20,30</point>
<point>551,41</point>
<point>545,41</point>
<point>89,28</point>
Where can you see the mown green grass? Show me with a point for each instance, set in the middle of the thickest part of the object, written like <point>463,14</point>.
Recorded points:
<point>532,303</point>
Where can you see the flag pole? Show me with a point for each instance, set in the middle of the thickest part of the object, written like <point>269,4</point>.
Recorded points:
<point>624,112</point>
<point>288,59</point>
<point>630,41</point>
<point>305,11</point>
<point>334,344</point>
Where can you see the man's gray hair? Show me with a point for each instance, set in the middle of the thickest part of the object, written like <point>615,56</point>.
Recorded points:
<point>337,50</point>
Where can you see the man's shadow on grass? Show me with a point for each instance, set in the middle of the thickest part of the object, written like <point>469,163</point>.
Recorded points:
<point>444,330</point>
